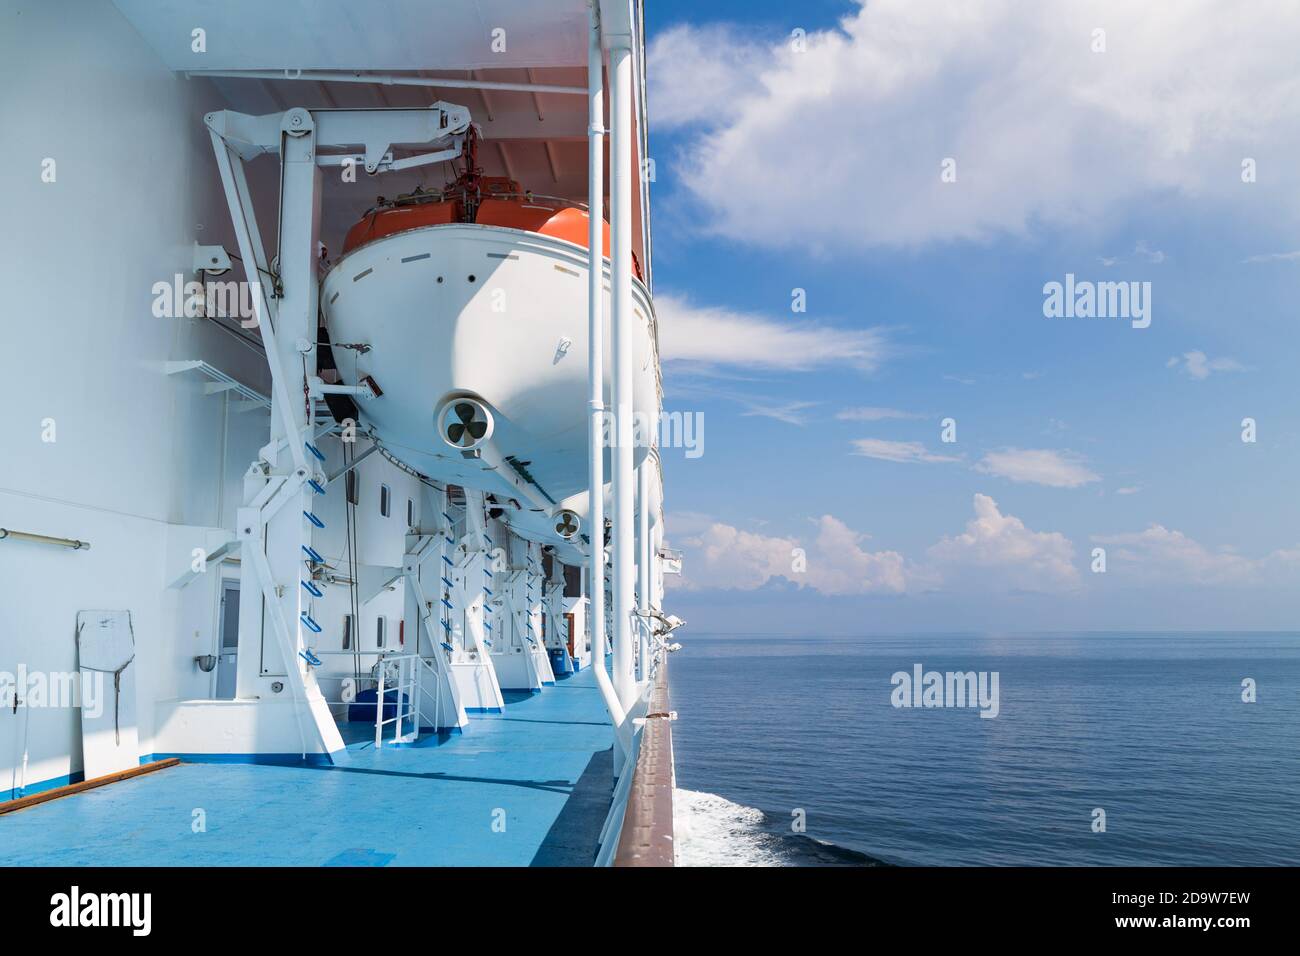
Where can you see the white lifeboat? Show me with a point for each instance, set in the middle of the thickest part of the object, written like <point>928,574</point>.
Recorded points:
<point>473,304</point>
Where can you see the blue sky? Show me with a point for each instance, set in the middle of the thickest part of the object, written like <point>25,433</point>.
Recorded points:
<point>820,169</point>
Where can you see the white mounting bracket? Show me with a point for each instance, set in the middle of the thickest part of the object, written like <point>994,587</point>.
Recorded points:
<point>319,389</point>
<point>210,260</point>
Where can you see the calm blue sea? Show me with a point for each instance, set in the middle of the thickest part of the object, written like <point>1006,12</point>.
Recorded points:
<point>1150,728</point>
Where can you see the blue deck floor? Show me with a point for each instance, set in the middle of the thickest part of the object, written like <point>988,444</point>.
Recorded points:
<point>543,766</point>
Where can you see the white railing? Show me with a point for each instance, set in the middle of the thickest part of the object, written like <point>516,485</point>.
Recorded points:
<point>407,686</point>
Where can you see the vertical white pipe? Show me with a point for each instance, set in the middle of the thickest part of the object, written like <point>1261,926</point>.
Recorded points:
<point>644,601</point>
<point>620,166</point>
<point>646,554</point>
<point>656,567</point>
<point>596,365</point>
<point>379,706</point>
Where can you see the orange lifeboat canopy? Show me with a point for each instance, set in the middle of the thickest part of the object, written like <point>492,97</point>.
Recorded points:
<point>511,211</point>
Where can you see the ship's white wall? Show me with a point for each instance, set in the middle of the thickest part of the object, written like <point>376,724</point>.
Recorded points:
<point>135,449</point>
<point>189,723</point>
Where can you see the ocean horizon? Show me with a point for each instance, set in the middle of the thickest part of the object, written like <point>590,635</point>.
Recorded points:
<point>1107,748</point>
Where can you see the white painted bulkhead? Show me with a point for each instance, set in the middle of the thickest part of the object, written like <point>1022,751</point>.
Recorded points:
<point>119,453</point>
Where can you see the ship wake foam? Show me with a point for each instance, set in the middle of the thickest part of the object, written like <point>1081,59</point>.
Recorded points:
<point>710,830</point>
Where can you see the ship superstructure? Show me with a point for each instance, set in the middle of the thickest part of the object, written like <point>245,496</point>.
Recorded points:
<point>346,445</point>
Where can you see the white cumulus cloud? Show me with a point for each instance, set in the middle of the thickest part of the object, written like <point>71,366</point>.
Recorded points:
<point>700,74</point>
<point>1039,466</point>
<point>835,561</point>
<point>1042,129</point>
<point>999,548</point>
<point>996,551</point>
<point>1162,553</point>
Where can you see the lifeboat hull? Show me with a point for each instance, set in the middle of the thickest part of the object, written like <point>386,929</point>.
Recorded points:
<point>541,527</point>
<point>494,313</point>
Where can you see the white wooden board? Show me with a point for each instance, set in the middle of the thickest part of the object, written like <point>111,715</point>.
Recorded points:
<point>106,657</point>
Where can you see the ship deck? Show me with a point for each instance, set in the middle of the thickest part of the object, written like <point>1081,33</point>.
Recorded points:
<point>543,768</point>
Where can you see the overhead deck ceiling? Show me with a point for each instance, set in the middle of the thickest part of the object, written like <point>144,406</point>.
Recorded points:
<point>540,139</point>
<point>537,138</point>
<point>369,35</point>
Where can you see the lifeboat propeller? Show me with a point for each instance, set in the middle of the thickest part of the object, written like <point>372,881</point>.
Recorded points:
<point>465,423</point>
<point>567,524</point>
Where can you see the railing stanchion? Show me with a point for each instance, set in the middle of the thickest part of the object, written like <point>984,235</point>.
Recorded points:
<point>379,706</point>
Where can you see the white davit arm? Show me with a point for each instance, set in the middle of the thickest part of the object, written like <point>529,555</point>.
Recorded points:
<point>376,131</point>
